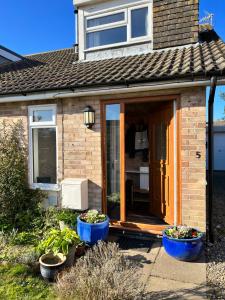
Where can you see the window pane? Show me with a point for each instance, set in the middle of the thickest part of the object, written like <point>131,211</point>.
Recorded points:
<point>139,22</point>
<point>105,20</point>
<point>106,37</point>
<point>160,137</point>
<point>113,160</point>
<point>44,155</point>
<point>43,115</point>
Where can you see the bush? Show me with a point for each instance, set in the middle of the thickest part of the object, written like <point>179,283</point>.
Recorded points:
<point>102,274</point>
<point>16,198</point>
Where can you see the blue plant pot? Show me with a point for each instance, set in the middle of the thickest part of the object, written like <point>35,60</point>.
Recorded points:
<point>183,249</point>
<point>92,233</point>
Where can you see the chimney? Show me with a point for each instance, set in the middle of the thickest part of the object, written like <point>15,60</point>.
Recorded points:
<point>175,23</point>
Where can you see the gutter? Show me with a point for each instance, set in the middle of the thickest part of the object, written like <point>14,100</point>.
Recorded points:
<point>67,93</point>
<point>213,84</point>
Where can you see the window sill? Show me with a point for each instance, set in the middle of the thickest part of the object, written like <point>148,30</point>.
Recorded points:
<point>125,44</point>
<point>46,187</point>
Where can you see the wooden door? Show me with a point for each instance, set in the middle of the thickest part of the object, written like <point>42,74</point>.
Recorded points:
<point>162,163</point>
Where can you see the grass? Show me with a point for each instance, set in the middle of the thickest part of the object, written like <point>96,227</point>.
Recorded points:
<point>18,282</point>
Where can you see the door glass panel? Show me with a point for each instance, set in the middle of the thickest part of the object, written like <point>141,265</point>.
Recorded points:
<point>113,160</point>
<point>160,141</point>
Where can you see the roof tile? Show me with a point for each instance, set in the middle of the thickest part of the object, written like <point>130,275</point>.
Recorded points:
<point>61,69</point>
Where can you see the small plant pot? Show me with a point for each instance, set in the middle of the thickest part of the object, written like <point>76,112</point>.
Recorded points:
<point>92,233</point>
<point>51,264</point>
<point>70,257</point>
<point>183,249</point>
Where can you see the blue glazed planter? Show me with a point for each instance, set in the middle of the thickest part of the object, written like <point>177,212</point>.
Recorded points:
<point>183,249</point>
<point>92,233</point>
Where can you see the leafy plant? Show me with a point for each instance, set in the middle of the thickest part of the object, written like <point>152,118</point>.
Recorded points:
<point>182,232</point>
<point>16,198</point>
<point>25,238</point>
<point>93,216</point>
<point>58,241</point>
<point>114,198</point>
<point>68,216</point>
<point>103,273</point>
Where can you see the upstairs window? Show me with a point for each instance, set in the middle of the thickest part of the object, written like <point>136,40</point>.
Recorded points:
<point>118,27</point>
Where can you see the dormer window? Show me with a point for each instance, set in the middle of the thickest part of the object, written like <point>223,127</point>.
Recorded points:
<point>117,27</point>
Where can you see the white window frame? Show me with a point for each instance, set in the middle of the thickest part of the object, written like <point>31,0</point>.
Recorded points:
<point>127,22</point>
<point>44,124</point>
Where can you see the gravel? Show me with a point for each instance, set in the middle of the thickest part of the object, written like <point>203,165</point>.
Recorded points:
<point>216,251</point>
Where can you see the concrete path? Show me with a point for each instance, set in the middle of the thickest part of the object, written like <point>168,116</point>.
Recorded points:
<point>167,278</point>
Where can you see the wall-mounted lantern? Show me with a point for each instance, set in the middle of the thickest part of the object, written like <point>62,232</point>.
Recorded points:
<point>89,116</point>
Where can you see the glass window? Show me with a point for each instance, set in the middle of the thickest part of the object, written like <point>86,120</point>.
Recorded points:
<point>42,115</point>
<point>160,136</point>
<point>113,160</point>
<point>106,37</point>
<point>139,22</point>
<point>44,155</point>
<point>105,20</point>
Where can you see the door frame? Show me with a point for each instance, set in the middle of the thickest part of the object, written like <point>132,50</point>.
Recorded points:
<point>123,224</point>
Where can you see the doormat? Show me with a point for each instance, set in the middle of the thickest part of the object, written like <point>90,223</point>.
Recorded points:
<point>130,243</point>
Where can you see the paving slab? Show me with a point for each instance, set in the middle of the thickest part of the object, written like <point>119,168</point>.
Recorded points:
<point>159,288</point>
<point>187,272</point>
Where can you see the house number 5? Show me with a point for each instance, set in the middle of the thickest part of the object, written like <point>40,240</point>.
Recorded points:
<point>198,154</point>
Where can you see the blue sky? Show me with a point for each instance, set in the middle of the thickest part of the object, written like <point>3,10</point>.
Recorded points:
<point>28,26</point>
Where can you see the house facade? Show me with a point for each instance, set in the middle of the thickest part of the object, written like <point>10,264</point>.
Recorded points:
<point>140,72</point>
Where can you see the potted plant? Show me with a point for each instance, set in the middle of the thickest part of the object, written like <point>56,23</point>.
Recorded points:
<point>67,218</point>
<point>183,243</point>
<point>63,242</point>
<point>51,264</point>
<point>92,226</point>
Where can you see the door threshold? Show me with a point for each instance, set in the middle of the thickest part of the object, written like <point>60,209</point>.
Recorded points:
<point>138,227</point>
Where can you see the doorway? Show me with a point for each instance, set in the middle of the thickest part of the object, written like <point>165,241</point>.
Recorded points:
<point>138,163</point>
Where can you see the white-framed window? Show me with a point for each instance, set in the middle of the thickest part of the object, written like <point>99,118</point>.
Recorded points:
<point>43,146</point>
<point>118,27</point>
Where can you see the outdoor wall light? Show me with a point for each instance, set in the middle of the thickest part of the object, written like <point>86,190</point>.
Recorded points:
<point>89,116</point>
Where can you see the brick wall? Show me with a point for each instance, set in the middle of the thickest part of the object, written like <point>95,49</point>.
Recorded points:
<point>175,22</point>
<point>79,148</point>
<point>193,173</point>
<point>82,147</point>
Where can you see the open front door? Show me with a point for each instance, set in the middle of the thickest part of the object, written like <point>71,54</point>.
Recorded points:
<point>162,163</point>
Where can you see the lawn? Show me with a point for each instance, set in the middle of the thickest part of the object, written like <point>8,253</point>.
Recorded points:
<point>18,281</point>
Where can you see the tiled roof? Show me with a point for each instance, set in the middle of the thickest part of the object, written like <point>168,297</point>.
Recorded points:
<point>62,70</point>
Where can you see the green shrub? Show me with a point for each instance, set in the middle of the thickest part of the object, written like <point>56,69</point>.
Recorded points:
<point>16,198</point>
<point>68,216</point>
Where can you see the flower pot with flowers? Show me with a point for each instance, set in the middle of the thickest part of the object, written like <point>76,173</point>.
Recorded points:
<point>183,243</point>
<point>92,226</point>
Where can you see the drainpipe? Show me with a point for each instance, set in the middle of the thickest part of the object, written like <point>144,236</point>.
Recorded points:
<point>76,30</point>
<point>210,160</point>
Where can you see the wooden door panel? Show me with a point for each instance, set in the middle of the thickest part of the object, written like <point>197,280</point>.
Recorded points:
<point>161,163</point>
